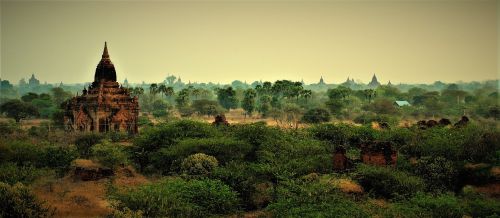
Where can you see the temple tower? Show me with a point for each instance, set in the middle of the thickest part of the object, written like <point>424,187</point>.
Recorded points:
<point>103,106</point>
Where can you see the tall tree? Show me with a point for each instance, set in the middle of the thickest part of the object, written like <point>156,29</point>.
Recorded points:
<point>227,98</point>
<point>153,89</point>
<point>248,102</point>
<point>369,94</point>
<point>182,98</point>
<point>162,89</point>
<point>18,110</point>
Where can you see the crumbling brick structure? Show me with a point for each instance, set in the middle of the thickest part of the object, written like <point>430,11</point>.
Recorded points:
<point>340,160</point>
<point>379,154</point>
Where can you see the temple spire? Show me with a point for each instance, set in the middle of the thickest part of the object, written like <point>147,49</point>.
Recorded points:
<point>105,52</point>
<point>105,70</point>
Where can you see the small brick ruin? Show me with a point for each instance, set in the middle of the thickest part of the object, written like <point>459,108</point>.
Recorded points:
<point>87,170</point>
<point>462,122</point>
<point>340,160</point>
<point>220,120</point>
<point>426,124</point>
<point>379,154</point>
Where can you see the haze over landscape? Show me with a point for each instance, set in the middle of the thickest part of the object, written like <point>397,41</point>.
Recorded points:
<point>401,41</point>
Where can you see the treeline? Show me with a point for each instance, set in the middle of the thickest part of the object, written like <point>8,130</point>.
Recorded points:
<point>290,103</point>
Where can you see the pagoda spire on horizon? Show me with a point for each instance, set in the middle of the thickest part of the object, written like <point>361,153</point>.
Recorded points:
<point>374,82</point>
<point>105,70</point>
<point>105,53</point>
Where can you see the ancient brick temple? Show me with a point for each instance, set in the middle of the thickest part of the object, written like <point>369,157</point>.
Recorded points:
<point>103,106</point>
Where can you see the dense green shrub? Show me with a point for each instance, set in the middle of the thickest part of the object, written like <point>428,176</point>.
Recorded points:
<point>109,154</point>
<point>367,118</point>
<point>443,205</point>
<point>7,128</point>
<point>180,198</point>
<point>199,164</point>
<point>398,136</point>
<point>426,205</point>
<point>11,173</point>
<point>21,152</point>
<point>435,142</point>
<point>477,205</point>
<point>58,157</point>
<point>18,201</point>
<point>223,149</point>
<point>85,142</point>
<point>316,115</point>
<point>297,156</point>
<point>313,200</point>
<point>256,134</point>
<point>144,121</point>
<point>116,136</point>
<point>245,178</point>
<point>336,134</point>
<point>439,173</point>
<point>166,135</point>
<point>388,182</point>
<point>481,145</point>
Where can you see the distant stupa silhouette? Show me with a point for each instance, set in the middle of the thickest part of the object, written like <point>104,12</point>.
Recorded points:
<point>374,82</point>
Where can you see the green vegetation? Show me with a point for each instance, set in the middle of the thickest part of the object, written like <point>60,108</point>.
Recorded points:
<point>200,170</point>
<point>180,198</point>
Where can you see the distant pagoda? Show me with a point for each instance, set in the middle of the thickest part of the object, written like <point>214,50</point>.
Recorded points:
<point>105,106</point>
<point>321,81</point>
<point>32,82</point>
<point>374,82</point>
<point>348,82</point>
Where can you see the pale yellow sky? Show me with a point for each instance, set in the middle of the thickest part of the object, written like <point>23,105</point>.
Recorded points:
<point>221,41</point>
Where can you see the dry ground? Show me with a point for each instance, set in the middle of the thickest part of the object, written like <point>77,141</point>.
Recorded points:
<point>75,198</point>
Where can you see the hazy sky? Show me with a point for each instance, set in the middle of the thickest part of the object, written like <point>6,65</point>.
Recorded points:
<point>220,41</point>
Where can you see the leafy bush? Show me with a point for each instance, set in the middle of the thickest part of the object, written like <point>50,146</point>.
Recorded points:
<point>316,115</point>
<point>180,198</point>
<point>477,205</point>
<point>7,128</point>
<point>387,182</point>
<point>166,135</point>
<point>116,136</point>
<point>21,152</point>
<point>439,173</point>
<point>481,145</point>
<point>144,121</point>
<point>109,154</point>
<point>436,142</point>
<point>336,134</point>
<point>367,118</point>
<point>444,205</point>
<point>199,164</point>
<point>11,173</point>
<point>85,142</point>
<point>18,201</point>
<point>297,156</point>
<point>426,205</point>
<point>58,157</point>
<point>223,149</point>
<point>243,178</point>
<point>313,200</point>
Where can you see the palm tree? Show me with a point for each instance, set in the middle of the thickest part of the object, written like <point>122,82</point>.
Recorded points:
<point>137,91</point>
<point>153,89</point>
<point>169,91</point>
<point>196,93</point>
<point>306,94</point>
<point>162,89</point>
<point>369,94</point>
